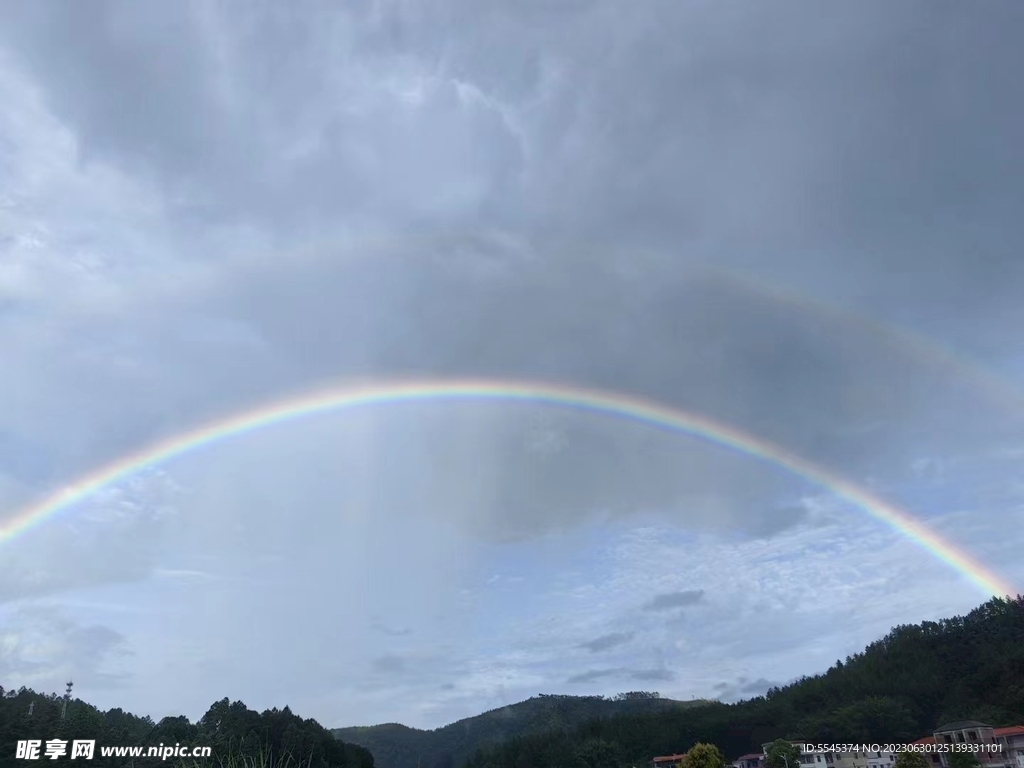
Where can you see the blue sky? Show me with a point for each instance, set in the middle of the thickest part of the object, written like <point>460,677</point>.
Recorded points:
<point>208,206</point>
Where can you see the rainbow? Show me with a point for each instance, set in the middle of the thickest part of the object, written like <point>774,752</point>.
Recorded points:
<point>999,389</point>
<point>460,390</point>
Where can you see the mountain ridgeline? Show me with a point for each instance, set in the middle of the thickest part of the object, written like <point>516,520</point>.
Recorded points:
<point>398,746</point>
<point>899,689</point>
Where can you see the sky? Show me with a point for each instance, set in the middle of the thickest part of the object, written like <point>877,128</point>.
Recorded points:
<point>802,220</point>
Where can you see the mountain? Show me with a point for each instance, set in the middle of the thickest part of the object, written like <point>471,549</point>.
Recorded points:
<point>398,746</point>
<point>899,689</point>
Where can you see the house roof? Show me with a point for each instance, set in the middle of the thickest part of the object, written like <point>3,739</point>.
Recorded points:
<point>751,756</point>
<point>669,758</point>
<point>926,740</point>
<point>960,725</point>
<point>1013,730</point>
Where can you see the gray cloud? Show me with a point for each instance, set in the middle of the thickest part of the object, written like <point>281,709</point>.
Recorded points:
<point>776,148</point>
<point>671,600</point>
<point>664,675</point>
<point>604,642</point>
<point>389,664</point>
<point>644,675</point>
<point>390,631</point>
<point>208,207</point>
<point>758,686</point>
<point>591,675</point>
<point>742,688</point>
<point>79,650</point>
<point>162,62</point>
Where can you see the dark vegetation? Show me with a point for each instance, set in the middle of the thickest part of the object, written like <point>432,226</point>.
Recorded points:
<point>898,690</point>
<point>397,746</point>
<point>239,737</point>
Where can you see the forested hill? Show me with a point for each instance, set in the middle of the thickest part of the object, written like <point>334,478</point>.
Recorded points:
<point>898,690</point>
<point>237,735</point>
<point>397,746</point>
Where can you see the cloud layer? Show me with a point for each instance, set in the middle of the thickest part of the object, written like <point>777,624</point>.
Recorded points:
<point>800,223</point>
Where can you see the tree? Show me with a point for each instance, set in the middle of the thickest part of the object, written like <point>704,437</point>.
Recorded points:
<point>782,754</point>
<point>911,759</point>
<point>704,756</point>
<point>963,760</point>
<point>598,753</point>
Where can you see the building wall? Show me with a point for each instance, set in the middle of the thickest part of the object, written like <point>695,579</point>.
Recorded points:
<point>851,760</point>
<point>1013,750</point>
<point>1011,756</point>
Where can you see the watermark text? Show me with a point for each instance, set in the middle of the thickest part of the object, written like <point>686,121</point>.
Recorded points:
<point>54,749</point>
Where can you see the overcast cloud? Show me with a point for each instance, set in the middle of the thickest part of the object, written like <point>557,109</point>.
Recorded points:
<point>731,210</point>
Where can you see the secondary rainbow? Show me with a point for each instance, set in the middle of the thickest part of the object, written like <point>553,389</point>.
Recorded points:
<point>999,388</point>
<point>607,403</point>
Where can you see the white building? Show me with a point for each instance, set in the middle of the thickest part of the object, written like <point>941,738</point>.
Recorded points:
<point>864,759</point>
<point>753,760</point>
<point>997,747</point>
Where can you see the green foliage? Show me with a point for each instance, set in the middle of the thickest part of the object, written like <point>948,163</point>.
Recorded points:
<point>598,753</point>
<point>396,746</point>
<point>238,736</point>
<point>899,689</point>
<point>782,754</point>
<point>963,760</point>
<point>704,756</point>
<point>911,760</point>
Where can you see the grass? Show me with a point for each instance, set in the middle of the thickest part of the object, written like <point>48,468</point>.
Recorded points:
<point>265,758</point>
